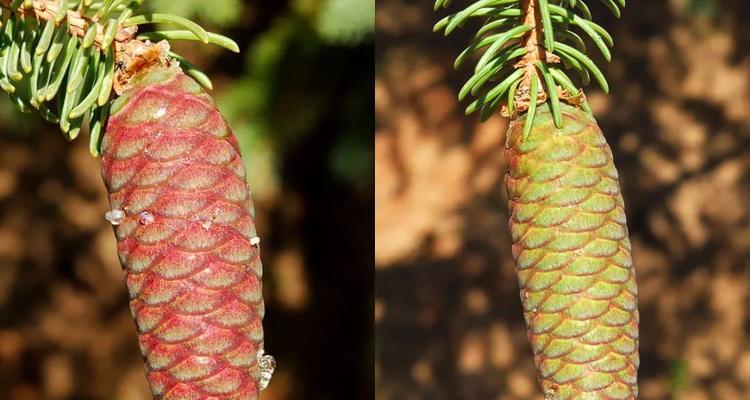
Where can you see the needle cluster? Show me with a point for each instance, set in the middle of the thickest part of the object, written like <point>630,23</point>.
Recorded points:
<point>67,59</point>
<point>524,50</point>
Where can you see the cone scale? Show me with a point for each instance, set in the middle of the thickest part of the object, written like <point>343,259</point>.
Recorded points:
<point>186,238</point>
<point>573,256</point>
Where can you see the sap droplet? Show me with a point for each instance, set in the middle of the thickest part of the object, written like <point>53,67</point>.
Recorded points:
<point>255,241</point>
<point>550,394</point>
<point>146,218</point>
<point>267,365</point>
<point>160,112</point>
<point>203,360</point>
<point>115,217</point>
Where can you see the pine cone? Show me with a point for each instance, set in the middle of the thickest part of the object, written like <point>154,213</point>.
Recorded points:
<point>186,238</point>
<point>571,245</point>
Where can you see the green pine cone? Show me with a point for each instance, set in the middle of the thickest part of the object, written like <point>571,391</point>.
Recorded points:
<point>575,271</point>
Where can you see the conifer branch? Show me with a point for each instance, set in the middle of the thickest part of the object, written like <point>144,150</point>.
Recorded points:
<point>82,52</point>
<point>540,38</point>
<point>78,24</point>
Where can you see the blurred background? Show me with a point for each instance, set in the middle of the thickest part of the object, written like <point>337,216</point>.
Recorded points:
<point>300,99</point>
<point>448,313</point>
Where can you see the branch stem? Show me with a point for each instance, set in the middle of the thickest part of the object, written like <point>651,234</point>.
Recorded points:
<point>533,42</point>
<point>131,54</point>
<point>78,25</point>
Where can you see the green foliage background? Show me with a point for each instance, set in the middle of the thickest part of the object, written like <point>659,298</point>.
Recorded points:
<point>283,87</point>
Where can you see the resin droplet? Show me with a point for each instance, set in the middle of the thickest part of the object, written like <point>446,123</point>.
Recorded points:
<point>160,112</point>
<point>206,224</point>
<point>202,360</point>
<point>146,218</point>
<point>115,217</point>
<point>255,241</point>
<point>267,365</point>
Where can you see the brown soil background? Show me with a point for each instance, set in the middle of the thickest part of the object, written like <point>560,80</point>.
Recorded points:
<point>448,315</point>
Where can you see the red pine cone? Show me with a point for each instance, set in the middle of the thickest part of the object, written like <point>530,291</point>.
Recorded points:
<point>186,238</point>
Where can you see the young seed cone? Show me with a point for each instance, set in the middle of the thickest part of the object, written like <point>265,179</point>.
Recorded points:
<point>571,245</point>
<point>186,240</point>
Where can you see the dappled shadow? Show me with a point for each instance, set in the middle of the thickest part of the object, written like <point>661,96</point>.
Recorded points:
<point>449,323</point>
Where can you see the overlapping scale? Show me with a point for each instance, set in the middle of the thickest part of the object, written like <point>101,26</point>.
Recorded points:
<point>575,271</point>
<point>186,242</point>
